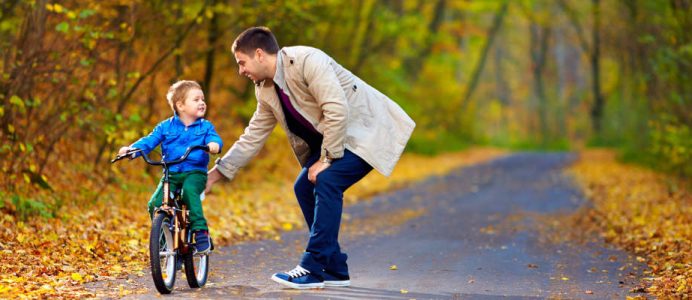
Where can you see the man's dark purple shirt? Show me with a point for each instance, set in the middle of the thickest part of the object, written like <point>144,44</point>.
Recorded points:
<point>297,124</point>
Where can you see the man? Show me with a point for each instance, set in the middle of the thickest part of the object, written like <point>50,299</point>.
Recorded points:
<point>339,127</point>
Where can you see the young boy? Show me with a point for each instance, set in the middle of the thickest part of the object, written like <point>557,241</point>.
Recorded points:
<point>186,128</point>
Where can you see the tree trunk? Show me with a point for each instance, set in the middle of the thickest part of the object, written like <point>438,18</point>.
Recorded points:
<point>211,52</point>
<point>497,23</point>
<point>361,30</point>
<point>597,108</point>
<point>414,64</point>
<point>540,35</point>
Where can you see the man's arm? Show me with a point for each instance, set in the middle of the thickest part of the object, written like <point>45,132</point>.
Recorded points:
<point>248,145</point>
<point>325,87</point>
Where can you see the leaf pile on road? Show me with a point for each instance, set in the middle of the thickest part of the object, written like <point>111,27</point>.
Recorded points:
<point>107,238</point>
<point>644,212</point>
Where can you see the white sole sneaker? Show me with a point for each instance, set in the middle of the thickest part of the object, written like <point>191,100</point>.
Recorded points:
<point>302,286</point>
<point>337,283</point>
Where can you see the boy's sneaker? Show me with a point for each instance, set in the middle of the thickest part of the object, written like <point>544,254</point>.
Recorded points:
<point>202,244</point>
<point>178,264</point>
<point>299,278</point>
<point>335,279</point>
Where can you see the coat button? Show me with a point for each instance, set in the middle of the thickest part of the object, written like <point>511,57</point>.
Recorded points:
<point>291,61</point>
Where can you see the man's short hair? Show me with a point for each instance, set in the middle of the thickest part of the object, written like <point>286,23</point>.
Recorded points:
<point>253,38</point>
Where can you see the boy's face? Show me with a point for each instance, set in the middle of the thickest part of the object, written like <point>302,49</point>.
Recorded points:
<point>193,106</point>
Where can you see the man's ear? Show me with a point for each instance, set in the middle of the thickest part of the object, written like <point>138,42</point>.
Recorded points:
<point>259,53</point>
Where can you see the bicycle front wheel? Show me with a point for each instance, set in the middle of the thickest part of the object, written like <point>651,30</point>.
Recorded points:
<point>162,254</point>
<point>196,269</point>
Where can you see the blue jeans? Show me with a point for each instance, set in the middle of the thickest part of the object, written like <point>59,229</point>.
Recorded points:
<point>322,204</point>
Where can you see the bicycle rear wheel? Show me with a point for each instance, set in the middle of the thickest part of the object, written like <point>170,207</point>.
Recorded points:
<point>162,254</point>
<point>196,269</point>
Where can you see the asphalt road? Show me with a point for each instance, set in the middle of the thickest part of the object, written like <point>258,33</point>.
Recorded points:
<point>477,233</point>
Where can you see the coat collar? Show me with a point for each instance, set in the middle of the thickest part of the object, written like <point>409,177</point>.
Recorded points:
<point>176,120</point>
<point>284,60</point>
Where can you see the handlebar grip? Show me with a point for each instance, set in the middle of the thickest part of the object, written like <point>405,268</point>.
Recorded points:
<point>128,153</point>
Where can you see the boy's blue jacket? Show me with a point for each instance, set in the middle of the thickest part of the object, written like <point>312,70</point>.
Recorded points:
<point>175,138</point>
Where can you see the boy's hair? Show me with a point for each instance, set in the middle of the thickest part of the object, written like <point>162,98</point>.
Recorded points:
<point>178,91</point>
<point>253,38</point>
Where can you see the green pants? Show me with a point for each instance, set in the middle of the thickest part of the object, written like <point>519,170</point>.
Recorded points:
<point>193,184</point>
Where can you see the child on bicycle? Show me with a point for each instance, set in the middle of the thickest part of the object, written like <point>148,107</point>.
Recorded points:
<point>186,128</point>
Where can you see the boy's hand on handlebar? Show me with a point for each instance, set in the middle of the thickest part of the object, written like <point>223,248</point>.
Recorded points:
<point>123,150</point>
<point>213,148</point>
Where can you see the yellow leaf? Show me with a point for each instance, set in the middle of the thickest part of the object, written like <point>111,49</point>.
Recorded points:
<point>564,278</point>
<point>403,291</point>
<point>57,8</point>
<point>287,226</point>
<point>393,267</point>
<point>77,277</point>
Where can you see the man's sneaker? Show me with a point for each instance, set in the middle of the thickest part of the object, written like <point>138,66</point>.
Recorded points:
<point>299,278</point>
<point>202,244</point>
<point>335,280</point>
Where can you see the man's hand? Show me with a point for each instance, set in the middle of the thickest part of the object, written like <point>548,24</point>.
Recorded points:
<point>316,169</point>
<point>212,177</point>
<point>213,147</point>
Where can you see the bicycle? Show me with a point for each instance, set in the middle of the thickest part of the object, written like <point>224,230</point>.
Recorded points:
<point>170,240</point>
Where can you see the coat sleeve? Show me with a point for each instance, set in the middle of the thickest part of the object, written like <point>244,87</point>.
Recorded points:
<point>250,142</point>
<point>327,91</point>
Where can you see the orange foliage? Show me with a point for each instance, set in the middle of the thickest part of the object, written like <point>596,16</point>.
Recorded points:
<point>647,213</point>
<point>108,239</point>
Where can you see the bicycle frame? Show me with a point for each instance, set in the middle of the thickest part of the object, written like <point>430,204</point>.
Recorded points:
<point>170,240</point>
<point>168,205</point>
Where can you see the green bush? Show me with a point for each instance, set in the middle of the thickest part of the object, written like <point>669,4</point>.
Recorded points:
<point>26,207</point>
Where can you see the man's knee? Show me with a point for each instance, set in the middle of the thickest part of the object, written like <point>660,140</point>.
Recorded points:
<point>303,187</point>
<point>327,183</point>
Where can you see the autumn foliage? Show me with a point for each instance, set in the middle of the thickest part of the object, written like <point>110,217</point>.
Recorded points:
<point>646,213</point>
<point>79,79</point>
<point>108,239</point>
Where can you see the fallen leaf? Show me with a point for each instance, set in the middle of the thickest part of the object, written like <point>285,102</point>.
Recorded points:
<point>403,291</point>
<point>393,267</point>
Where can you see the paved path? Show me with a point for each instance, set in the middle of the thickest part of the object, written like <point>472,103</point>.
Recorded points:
<point>477,233</point>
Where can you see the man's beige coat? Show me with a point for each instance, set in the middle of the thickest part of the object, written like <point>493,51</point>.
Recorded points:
<point>349,114</point>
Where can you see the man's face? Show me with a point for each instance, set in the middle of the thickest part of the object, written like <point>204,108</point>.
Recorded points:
<point>250,66</point>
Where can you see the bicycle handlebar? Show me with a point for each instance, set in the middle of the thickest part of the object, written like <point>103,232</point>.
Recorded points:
<point>161,163</point>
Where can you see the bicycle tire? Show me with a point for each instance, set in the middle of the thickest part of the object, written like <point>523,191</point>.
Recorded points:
<point>164,282</point>
<point>196,272</point>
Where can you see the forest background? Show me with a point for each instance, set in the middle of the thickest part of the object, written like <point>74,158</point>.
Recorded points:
<point>79,79</point>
